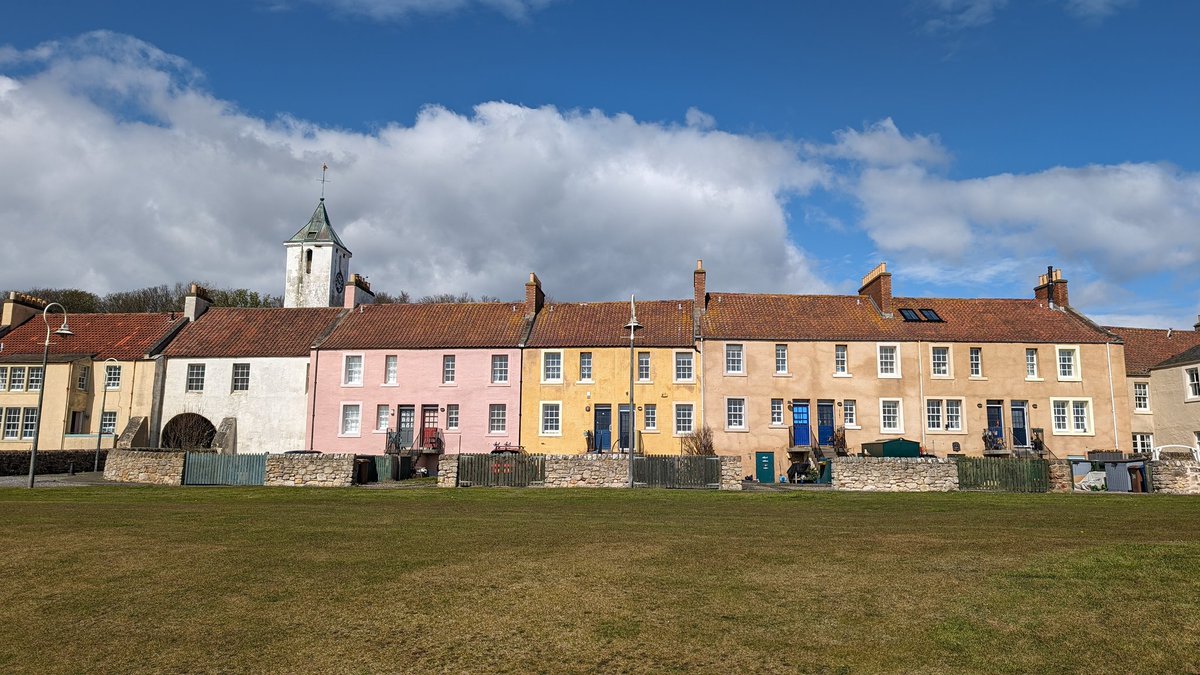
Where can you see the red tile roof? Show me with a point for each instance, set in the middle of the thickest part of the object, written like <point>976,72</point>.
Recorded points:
<point>665,323</point>
<point>740,316</point>
<point>1147,347</point>
<point>432,326</point>
<point>258,332</point>
<point>125,337</point>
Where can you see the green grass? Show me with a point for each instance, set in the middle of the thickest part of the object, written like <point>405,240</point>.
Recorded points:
<point>286,580</point>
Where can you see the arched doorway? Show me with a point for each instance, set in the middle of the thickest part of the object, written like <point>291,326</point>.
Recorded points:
<point>188,431</point>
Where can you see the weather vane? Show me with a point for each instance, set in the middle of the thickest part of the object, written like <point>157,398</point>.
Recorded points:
<point>324,168</point>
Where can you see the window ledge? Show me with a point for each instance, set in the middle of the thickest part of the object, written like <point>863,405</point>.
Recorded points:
<point>1035,379</point>
<point>551,382</point>
<point>499,384</point>
<point>738,430</point>
<point>448,384</point>
<point>946,377</point>
<point>348,385</point>
<point>783,375</point>
<point>978,378</point>
<point>497,434</point>
<point>842,375</point>
<point>577,382</point>
<point>851,427</point>
<point>692,381</point>
<point>358,435</point>
<point>1145,411</point>
<point>778,426</point>
<point>650,431</point>
<point>390,384</point>
<point>889,377</point>
<point>946,432</point>
<point>644,382</point>
<point>1073,433</point>
<point>1072,379</point>
<point>735,374</point>
<point>550,435</point>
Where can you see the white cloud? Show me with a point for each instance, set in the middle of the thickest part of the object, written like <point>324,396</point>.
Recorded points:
<point>954,15</point>
<point>120,170</point>
<point>882,144</point>
<point>1097,10</point>
<point>389,10</point>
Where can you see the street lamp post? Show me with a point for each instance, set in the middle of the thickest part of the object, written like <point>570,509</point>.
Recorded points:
<point>64,331</point>
<point>632,326</point>
<point>103,402</point>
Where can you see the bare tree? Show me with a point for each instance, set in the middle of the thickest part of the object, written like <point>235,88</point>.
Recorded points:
<point>700,442</point>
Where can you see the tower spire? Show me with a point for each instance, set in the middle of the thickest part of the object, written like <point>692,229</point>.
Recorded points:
<point>324,169</point>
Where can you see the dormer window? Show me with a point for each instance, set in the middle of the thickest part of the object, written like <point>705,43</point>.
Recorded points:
<point>311,235</point>
<point>930,315</point>
<point>909,314</point>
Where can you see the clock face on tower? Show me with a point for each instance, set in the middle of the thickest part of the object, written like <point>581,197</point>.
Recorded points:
<point>339,283</point>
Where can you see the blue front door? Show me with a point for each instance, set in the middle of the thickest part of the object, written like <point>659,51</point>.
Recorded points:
<point>800,430</point>
<point>603,427</point>
<point>1020,430</point>
<point>825,423</point>
<point>764,467</point>
<point>624,425</point>
<point>995,418</point>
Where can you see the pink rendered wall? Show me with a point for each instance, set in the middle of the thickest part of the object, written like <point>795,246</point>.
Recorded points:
<point>419,382</point>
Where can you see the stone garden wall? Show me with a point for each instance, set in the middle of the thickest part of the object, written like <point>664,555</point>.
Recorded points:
<point>1176,476</point>
<point>310,470</point>
<point>144,466</point>
<point>895,474</point>
<point>1060,476</point>
<point>589,471</point>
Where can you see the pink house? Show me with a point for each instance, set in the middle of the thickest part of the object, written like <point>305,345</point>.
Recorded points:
<point>420,380</point>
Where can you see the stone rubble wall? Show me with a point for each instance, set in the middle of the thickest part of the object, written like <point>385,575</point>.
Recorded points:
<point>1060,476</point>
<point>895,474</point>
<point>144,466</point>
<point>447,471</point>
<point>731,473</point>
<point>590,471</point>
<point>1176,476</point>
<point>333,470</point>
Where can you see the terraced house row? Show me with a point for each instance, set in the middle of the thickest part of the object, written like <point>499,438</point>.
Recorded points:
<point>769,374</point>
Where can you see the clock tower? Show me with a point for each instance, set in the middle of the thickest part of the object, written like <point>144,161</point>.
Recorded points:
<point>318,264</point>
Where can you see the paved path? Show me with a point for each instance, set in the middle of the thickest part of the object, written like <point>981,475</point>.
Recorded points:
<point>85,479</point>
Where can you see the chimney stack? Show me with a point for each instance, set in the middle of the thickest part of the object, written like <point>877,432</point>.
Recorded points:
<point>534,297</point>
<point>699,288</point>
<point>1052,288</point>
<point>196,303</point>
<point>358,292</point>
<point>19,308</point>
<point>877,286</point>
<point>1196,326</point>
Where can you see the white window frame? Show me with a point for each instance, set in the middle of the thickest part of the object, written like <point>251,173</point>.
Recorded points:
<point>346,371</point>
<point>899,429</point>
<point>107,429</point>
<point>1076,364</point>
<point>85,376</point>
<point>675,418</point>
<point>1191,389</point>
<point>189,378</point>
<point>453,417</point>
<point>1070,417</point>
<point>35,378</point>
<point>3,378</point>
<point>944,415</point>
<point>382,422</point>
<point>781,359</point>
<point>233,377</point>
<point>740,351</point>
<point>449,369</point>
<point>493,427</point>
<point>15,384</point>
<point>691,367</point>
<point>1035,376</point>
<point>643,359</point>
<point>1143,448</point>
<point>550,380</point>
<point>499,369</point>
<point>879,347</point>
<point>949,362</point>
<point>850,413</point>
<point>1142,406</point>
<point>729,414</point>
<point>777,412</point>
<point>391,370</point>
<point>841,360</point>
<point>29,422</point>
<point>542,407</point>
<point>650,417</point>
<point>590,364</point>
<point>343,431</point>
<point>12,423</point>
<point>975,363</point>
<point>112,383</point>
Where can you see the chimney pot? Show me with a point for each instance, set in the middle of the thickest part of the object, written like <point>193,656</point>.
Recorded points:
<point>877,285</point>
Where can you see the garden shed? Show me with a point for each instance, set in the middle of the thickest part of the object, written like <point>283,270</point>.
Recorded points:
<point>892,447</point>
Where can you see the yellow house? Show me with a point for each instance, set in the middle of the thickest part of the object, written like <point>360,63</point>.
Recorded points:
<point>576,373</point>
<point>95,380</point>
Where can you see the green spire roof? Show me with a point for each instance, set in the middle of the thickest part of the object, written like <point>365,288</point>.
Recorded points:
<point>318,229</point>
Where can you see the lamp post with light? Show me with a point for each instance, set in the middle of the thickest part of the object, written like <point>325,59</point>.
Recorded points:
<point>103,402</point>
<point>632,326</point>
<point>64,331</point>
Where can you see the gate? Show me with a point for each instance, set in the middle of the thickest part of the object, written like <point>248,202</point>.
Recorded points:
<point>205,468</point>
<point>677,472</point>
<point>993,474</point>
<point>500,470</point>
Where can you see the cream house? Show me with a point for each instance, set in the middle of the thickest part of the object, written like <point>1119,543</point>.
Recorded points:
<point>1159,365</point>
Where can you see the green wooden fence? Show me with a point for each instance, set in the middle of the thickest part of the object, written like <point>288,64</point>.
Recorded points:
<point>993,474</point>
<point>501,470</point>
<point>204,468</point>
<point>677,472</point>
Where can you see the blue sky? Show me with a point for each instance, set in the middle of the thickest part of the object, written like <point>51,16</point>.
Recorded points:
<point>606,144</point>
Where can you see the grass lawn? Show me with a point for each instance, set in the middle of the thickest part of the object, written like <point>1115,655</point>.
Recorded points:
<point>285,580</point>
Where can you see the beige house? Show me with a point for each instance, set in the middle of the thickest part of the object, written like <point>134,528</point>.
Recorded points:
<point>1164,410</point>
<point>788,372</point>
<point>95,380</point>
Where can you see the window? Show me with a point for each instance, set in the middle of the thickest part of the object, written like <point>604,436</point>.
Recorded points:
<point>351,419</point>
<point>452,417</point>
<point>551,366</point>
<point>112,377</point>
<point>781,364</point>
<point>352,370</point>
<point>643,363</point>
<point>1071,416</point>
<point>683,367</point>
<point>1031,364</point>
<point>497,418</point>
<point>390,370</point>
<point>3,379</point>
<point>1141,396</point>
<point>954,414</point>
<point>733,360</point>
<point>735,413</point>
<point>29,423</point>
<point>448,369</point>
<point>889,365</point>
<point>891,416</point>
<point>36,377</point>
<point>650,417</point>
<point>777,412</point>
<point>17,379</point>
<point>383,416</point>
<point>585,366</point>
<point>1193,382</point>
<point>1196,434</point>
<point>108,422</point>
<point>551,419</point>
<point>81,383</point>
<point>933,414</point>
<point>849,413</point>
<point>499,368</point>
<point>195,377</point>
<point>1068,358</point>
<point>241,377</point>
<point>839,360</point>
<point>909,315</point>
<point>976,361</point>
<point>1143,443</point>
<point>683,418</point>
<point>943,414</point>
<point>12,423</point>
<point>930,315</point>
<point>940,359</point>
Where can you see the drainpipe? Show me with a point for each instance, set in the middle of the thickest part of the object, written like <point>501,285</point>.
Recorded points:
<point>1112,396</point>
<point>921,412</point>
<point>700,382</point>
<point>312,422</point>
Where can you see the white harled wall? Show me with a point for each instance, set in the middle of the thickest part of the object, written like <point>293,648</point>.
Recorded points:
<point>317,287</point>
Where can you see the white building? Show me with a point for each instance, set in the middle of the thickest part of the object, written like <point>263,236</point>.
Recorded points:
<point>318,264</point>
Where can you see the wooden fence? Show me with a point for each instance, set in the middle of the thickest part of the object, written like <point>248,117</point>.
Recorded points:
<point>677,472</point>
<point>993,474</point>
<point>500,470</point>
